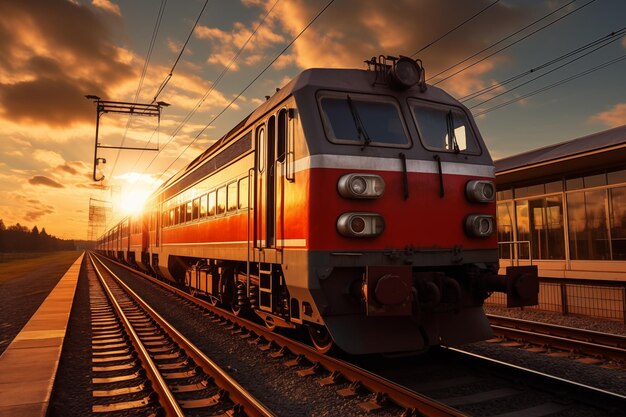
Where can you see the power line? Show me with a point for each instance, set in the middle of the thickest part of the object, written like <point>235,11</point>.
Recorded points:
<point>250,83</point>
<point>549,72</point>
<point>555,84</point>
<point>208,92</point>
<point>454,28</point>
<point>506,38</point>
<point>169,76</point>
<point>499,84</point>
<point>144,70</point>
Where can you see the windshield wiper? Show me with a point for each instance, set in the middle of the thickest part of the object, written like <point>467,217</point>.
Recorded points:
<point>451,135</point>
<point>358,123</point>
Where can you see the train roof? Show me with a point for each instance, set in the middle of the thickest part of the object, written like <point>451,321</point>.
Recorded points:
<point>315,78</point>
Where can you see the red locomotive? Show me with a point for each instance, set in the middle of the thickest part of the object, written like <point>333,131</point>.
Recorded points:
<point>358,204</point>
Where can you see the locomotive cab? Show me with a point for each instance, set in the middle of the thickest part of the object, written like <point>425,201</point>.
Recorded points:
<point>402,245</point>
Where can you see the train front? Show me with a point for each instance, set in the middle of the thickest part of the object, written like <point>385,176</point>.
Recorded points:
<point>401,239</point>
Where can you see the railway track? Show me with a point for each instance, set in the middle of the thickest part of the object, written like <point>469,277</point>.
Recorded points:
<point>377,393</point>
<point>586,342</point>
<point>413,393</point>
<point>140,362</point>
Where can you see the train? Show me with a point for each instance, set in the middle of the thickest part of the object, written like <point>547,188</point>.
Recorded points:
<point>357,205</point>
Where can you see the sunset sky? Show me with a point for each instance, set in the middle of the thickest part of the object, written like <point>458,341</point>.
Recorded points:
<point>54,52</point>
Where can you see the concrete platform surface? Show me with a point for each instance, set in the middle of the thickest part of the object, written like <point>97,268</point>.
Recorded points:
<point>29,365</point>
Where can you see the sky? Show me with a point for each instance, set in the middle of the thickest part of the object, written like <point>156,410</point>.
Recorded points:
<point>54,52</point>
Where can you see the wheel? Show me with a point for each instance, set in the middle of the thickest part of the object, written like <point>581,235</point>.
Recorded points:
<point>213,300</point>
<point>235,308</point>
<point>321,338</point>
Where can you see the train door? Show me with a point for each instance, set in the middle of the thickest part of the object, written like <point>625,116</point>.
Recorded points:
<point>270,157</point>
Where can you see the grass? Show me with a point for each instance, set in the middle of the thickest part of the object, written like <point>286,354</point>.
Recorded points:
<point>14,265</point>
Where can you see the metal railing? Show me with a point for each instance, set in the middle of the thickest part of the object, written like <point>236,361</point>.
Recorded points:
<point>570,297</point>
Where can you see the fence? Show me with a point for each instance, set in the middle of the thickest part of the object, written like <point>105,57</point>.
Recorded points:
<point>567,297</point>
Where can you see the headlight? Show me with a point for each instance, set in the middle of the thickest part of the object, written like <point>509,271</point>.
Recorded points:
<point>361,186</point>
<point>360,224</point>
<point>405,73</point>
<point>479,225</point>
<point>480,191</point>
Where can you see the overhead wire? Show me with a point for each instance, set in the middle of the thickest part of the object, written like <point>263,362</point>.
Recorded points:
<point>169,76</point>
<point>502,83</point>
<point>506,38</point>
<point>180,54</point>
<point>155,32</point>
<point>455,28</point>
<point>212,87</point>
<point>249,84</point>
<point>553,85</point>
<point>603,45</point>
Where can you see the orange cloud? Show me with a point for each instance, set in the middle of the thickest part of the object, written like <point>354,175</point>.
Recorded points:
<point>52,53</point>
<point>41,180</point>
<point>378,27</point>
<point>106,5</point>
<point>614,117</point>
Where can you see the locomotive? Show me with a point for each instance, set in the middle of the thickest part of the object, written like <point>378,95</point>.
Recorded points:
<point>358,205</point>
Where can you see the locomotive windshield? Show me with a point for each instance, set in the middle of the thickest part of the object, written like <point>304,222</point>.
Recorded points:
<point>363,120</point>
<point>444,128</point>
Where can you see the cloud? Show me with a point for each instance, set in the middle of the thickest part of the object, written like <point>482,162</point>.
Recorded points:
<point>32,215</point>
<point>107,6</point>
<point>52,53</point>
<point>226,44</point>
<point>50,158</point>
<point>614,117</point>
<point>378,27</point>
<point>41,180</point>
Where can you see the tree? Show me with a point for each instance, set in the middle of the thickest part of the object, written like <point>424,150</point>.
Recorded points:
<point>2,226</point>
<point>35,231</point>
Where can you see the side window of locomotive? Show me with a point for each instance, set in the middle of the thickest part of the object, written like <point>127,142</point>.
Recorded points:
<point>260,150</point>
<point>212,203</point>
<point>444,128</point>
<point>196,208</point>
<point>177,216</point>
<point>359,119</point>
<point>243,193</point>
<point>203,206</point>
<point>172,221</point>
<point>221,200</point>
<point>231,198</point>
<point>283,126</point>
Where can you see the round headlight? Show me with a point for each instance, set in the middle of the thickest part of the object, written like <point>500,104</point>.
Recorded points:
<point>358,185</point>
<point>357,224</point>
<point>361,186</point>
<point>405,72</point>
<point>480,191</point>
<point>479,225</point>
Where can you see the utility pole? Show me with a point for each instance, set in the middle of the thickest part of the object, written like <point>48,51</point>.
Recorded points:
<point>137,109</point>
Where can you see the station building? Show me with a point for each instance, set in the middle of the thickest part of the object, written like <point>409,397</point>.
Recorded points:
<point>563,208</point>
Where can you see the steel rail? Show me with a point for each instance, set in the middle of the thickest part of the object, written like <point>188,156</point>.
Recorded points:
<point>561,337</point>
<point>166,398</point>
<point>237,393</point>
<point>415,404</point>
<point>583,393</point>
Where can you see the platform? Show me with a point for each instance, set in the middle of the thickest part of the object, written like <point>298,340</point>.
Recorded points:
<point>29,365</point>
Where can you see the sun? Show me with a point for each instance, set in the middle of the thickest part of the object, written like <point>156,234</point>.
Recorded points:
<point>134,191</point>
<point>132,201</point>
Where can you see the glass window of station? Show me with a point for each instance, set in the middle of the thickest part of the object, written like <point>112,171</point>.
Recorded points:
<point>576,218</point>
